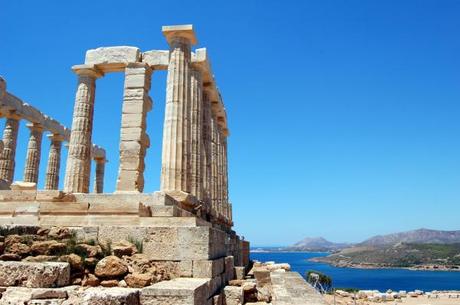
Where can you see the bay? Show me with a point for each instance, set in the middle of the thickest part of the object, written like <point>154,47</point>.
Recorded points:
<point>380,279</point>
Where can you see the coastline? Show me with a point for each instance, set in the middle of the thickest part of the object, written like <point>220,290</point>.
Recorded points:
<point>381,266</point>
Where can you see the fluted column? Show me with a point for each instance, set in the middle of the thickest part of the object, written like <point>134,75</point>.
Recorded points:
<point>8,155</point>
<point>206,149</point>
<point>225,176</point>
<point>99,176</point>
<point>34,150</point>
<point>196,182</point>
<point>176,132</point>
<point>134,140</point>
<point>54,162</point>
<point>79,157</point>
<point>214,169</point>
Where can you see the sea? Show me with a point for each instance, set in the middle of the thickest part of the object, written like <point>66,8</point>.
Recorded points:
<point>372,279</point>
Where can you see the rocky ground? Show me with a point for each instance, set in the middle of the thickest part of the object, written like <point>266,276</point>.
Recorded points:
<point>91,263</point>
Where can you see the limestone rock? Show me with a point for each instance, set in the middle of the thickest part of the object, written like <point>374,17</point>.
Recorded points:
<point>19,249</point>
<point>34,275</point>
<point>124,247</point>
<point>138,280</point>
<point>59,233</point>
<point>41,258</point>
<point>10,257</point>
<point>111,267</point>
<point>75,261</point>
<point>42,247</point>
<point>109,283</point>
<point>90,280</point>
<point>89,250</point>
<point>12,239</point>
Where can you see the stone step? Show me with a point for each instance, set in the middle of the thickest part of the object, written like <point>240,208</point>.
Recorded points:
<point>180,291</point>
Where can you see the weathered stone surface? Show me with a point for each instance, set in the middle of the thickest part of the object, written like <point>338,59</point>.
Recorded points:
<point>137,280</point>
<point>111,296</point>
<point>233,295</point>
<point>90,280</point>
<point>42,247</point>
<point>109,283</point>
<point>208,268</point>
<point>89,250</point>
<point>123,248</point>
<point>180,291</point>
<point>75,261</point>
<point>38,275</point>
<point>111,267</point>
<point>157,59</point>
<point>112,58</point>
<point>49,294</point>
<point>19,249</point>
<point>23,186</point>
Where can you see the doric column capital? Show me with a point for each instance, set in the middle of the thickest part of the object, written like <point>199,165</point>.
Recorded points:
<point>88,70</point>
<point>179,33</point>
<point>56,137</point>
<point>13,115</point>
<point>100,160</point>
<point>35,127</point>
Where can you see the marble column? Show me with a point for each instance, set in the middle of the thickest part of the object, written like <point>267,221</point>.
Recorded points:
<point>54,162</point>
<point>8,155</point>
<point>175,163</point>
<point>206,149</point>
<point>79,157</point>
<point>225,174</point>
<point>214,169</point>
<point>99,176</point>
<point>220,201</point>
<point>34,149</point>
<point>134,140</point>
<point>196,182</point>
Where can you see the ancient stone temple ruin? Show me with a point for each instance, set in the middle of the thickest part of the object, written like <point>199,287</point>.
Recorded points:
<point>173,246</point>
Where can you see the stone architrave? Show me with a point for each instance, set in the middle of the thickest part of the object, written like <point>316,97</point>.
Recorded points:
<point>54,162</point>
<point>176,132</point>
<point>79,157</point>
<point>196,177</point>
<point>34,149</point>
<point>134,140</point>
<point>8,155</point>
<point>99,176</point>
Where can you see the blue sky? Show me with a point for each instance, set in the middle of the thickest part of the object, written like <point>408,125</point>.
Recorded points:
<point>344,115</point>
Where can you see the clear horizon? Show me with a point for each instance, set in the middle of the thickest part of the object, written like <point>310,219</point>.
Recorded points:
<point>343,115</point>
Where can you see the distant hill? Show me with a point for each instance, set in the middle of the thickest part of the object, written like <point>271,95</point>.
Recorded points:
<point>420,236</point>
<point>316,244</point>
<point>422,248</point>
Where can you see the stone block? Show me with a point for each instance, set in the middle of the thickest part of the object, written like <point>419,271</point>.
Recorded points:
<point>132,120</point>
<point>233,295</point>
<point>51,195</point>
<point>179,291</point>
<point>119,208</point>
<point>34,275</point>
<point>14,195</point>
<point>208,268</point>
<point>157,59</point>
<point>18,208</point>
<point>23,186</point>
<point>63,208</point>
<point>111,59</point>
<point>229,269</point>
<point>137,81</point>
<point>262,276</point>
<point>215,285</point>
<point>186,268</point>
<point>240,272</point>
<point>111,296</point>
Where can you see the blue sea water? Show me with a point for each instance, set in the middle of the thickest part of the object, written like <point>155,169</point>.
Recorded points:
<point>381,279</point>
